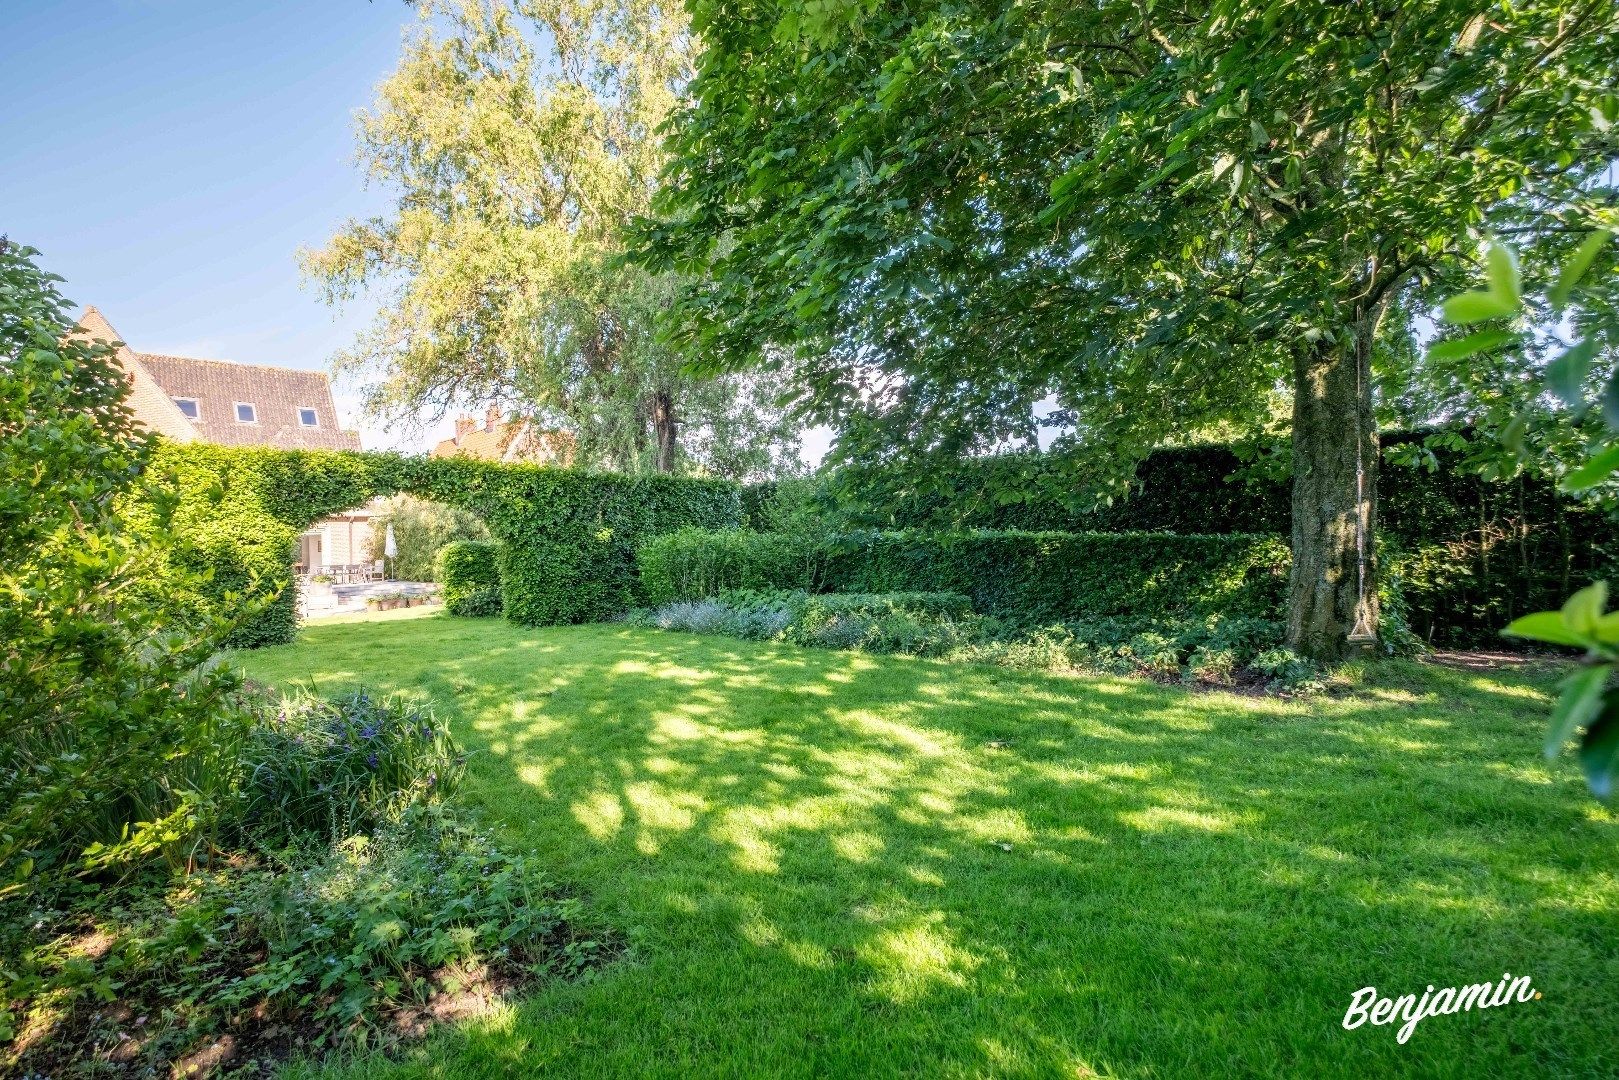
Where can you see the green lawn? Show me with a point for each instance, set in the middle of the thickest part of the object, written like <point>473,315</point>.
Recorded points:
<point>830,864</point>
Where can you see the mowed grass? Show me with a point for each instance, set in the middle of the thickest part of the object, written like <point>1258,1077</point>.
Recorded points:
<point>830,864</point>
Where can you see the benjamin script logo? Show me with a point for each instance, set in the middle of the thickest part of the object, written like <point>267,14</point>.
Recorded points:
<point>1366,1005</point>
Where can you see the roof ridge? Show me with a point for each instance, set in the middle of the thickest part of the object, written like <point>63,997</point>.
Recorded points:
<point>234,363</point>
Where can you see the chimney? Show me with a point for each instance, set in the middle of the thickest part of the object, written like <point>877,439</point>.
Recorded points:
<point>491,418</point>
<point>464,426</point>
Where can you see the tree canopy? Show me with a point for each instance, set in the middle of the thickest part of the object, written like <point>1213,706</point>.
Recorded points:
<point>1124,221</point>
<point>520,136</point>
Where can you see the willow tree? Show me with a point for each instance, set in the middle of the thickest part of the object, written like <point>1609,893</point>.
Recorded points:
<point>1149,217</point>
<point>518,137</point>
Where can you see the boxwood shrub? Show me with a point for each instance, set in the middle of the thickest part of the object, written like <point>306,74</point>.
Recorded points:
<point>469,573</point>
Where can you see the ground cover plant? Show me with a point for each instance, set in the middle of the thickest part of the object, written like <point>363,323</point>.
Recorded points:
<point>832,863</point>
<point>1213,650</point>
<point>345,903</point>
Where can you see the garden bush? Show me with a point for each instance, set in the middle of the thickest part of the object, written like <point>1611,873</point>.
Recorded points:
<point>340,890</point>
<point>690,564</point>
<point>469,571</point>
<point>340,942</point>
<point>912,623</point>
<point>113,710</point>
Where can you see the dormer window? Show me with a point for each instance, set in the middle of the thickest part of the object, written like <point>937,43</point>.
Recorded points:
<point>308,418</point>
<point>245,413</point>
<point>188,408</point>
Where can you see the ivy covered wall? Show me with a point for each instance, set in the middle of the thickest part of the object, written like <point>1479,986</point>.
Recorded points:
<point>568,537</point>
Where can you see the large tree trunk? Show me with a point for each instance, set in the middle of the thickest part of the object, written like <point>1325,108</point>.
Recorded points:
<point>1333,588</point>
<point>666,428</point>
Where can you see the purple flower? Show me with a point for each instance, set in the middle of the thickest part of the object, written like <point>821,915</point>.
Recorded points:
<point>371,760</point>
<point>369,731</point>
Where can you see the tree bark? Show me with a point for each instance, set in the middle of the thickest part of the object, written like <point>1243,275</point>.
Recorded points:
<point>666,429</point>
<point>1332,591</point>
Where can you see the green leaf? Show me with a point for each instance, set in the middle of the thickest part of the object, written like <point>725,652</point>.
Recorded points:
<point>1457,348</point>
<point>1607,629</point>
<point>1512,437</point>
<point>1582,610</point>
<point>1566,375</point>
<point>1547,626</point>
<point>1501,267</point>
<point>1577,265</point>
<point>1593,472</point>
<point>1610,402</point>
<point>1599,752</point>
<point>1472,307</point>
<point>1577,706</point>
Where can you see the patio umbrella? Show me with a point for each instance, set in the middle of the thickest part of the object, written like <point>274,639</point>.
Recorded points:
<point>389,548</point>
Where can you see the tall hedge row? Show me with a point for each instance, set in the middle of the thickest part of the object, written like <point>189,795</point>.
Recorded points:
<point>568,536</point>
<point>1472,553</point>
<point>1053,576</point>
<point>1039,577</point>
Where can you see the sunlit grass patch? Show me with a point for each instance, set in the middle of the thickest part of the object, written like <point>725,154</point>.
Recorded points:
<point>831,864</point>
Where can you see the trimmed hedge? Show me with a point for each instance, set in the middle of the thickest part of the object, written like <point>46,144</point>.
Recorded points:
<point>1047,577</point>
<point>694,563</point>
<point>1036,577</point>
<point>469,572</point>
<point>1472,553</point>
<point>569,537</point>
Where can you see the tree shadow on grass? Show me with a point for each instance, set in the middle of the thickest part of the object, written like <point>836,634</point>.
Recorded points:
<point>834,864</point>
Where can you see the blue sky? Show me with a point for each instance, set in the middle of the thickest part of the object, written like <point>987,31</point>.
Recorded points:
<point>168,157</point>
